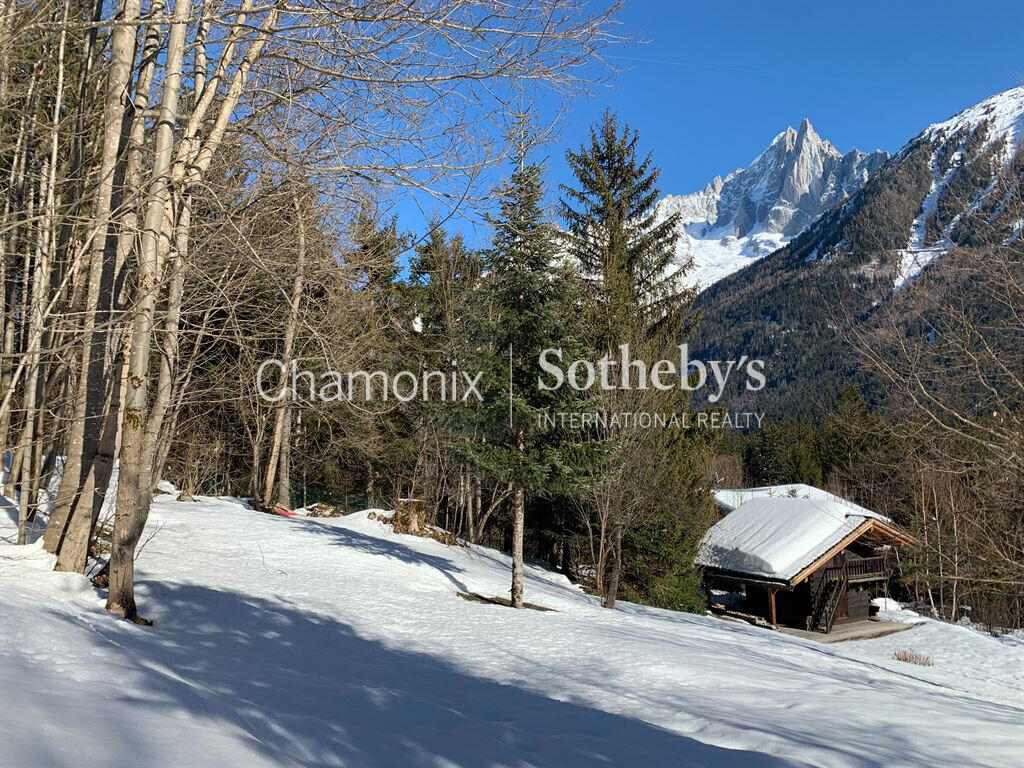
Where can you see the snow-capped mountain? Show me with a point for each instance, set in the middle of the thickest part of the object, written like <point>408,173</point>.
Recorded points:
<point>959,184</point>
<point>1003,113</point>
<point>756,210</point>
<point>976,175</point>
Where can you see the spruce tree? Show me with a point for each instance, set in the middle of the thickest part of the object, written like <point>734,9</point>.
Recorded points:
<point>527,307</point>
<point>443,274</point>
<point>621,246</point>
<point>391,444</point>
<point>636,298</point>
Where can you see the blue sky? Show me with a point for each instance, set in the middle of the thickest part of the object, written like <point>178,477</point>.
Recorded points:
<point>716,81</point>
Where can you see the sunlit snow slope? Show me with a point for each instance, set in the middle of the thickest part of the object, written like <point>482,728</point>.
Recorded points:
<point>295,642</point>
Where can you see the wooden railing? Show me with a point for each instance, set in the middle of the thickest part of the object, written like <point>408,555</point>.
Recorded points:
<point>868,568</point>
<point>817,603</point>
<point>826,597</point>
<point>835,596</point>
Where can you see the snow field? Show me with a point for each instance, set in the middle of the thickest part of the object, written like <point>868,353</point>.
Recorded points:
<point>284,641</point>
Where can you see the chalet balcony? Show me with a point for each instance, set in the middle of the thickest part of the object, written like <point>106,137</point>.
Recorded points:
<point>868,569</point>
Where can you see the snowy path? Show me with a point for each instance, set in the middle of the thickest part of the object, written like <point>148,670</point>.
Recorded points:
<point>295,642</point>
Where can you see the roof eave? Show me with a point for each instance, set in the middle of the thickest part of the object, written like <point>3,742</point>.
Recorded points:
<point>870,525</point>
<point>743,576</point>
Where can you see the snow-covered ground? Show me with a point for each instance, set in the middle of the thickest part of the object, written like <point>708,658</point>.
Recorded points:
<point>290,641</point>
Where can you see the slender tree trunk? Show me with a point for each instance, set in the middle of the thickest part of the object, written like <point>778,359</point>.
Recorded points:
<point>40,283</point>
<point>132,499</point>
<point>601,566</point>
<point>257,454</point>
<point>169,350</point>
<point>39,441</point>
<point>474,510</point>
<point>74,550</point>
<point>14,472</point>
<point>170,425</point>
<point>518,519</point>
<point>91,392</point>
<point>279,452</point>
<point>613,580</point>
<point>274,460</point>
<point>7,295</point>
<point>284,478</point>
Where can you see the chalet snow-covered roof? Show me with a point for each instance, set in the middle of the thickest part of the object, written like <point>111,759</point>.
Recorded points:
<point>730,498</point>
<point>776,535</point>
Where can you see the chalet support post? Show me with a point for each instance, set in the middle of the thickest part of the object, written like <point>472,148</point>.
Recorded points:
<point>771,606</point>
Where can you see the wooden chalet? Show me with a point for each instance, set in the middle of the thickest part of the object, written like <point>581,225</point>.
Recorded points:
<point>797,556</point>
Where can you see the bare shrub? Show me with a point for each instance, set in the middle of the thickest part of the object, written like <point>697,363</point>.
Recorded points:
<point>912,657</point>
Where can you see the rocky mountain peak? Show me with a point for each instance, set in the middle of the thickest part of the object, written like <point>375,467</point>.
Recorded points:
<point>757,209</point>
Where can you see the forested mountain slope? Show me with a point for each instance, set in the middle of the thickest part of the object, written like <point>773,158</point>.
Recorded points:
<point>959,184</point>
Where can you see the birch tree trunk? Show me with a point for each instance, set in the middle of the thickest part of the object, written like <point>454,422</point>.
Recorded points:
<point>74,550</point>
<point>85,511</point>
<point>90,394</point>
<point>132,499</point>
<point>169,349</point>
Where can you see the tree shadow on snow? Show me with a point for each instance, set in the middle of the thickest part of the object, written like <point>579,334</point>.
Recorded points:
<point>373,545</point>
<point>307,690</point>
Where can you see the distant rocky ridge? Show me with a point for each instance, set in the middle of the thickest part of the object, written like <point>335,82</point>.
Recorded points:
<point>756,210</point>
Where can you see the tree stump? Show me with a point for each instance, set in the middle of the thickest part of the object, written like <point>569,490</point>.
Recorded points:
<point>408,515</point>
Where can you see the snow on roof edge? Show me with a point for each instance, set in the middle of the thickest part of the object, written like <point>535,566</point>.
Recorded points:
<point>730,498</point>
<point>774,536</point>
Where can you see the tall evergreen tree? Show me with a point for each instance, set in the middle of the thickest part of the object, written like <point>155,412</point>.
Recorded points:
<point>615,236</point>
<point>443,274</point>
<point>627,255</point>
<point>378,247</point>
<point>528,307</point>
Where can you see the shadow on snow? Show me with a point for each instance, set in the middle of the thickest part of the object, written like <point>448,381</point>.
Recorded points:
<point>306,690</point>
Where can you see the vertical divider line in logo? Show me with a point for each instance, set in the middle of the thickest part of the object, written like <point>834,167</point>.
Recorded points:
<point>510,388</point>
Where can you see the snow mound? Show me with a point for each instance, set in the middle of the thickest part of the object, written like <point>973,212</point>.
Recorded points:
<point>887,604</point>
